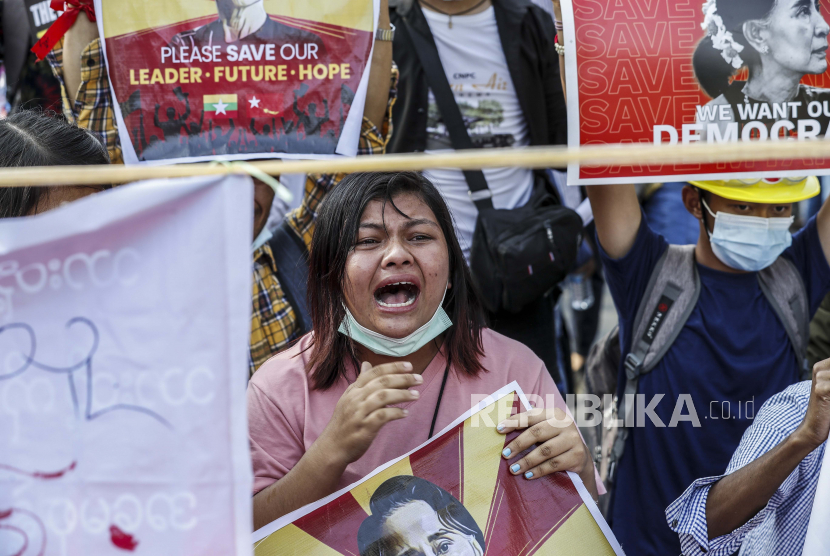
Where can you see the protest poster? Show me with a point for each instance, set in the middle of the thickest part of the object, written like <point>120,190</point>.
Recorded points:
<point>817,541</point>
<point>123,367</point>
<point>688,71</point>
<point>218,79</point>
<point>455,494</point>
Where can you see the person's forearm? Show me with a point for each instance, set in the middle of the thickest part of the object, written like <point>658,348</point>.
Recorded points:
<point>377,94</point>
<point>314,477</point>
<point>557,14</point>
<point>76,39</point>
<point>738,497</point>
<point>561,39</point>
<point>617,215</point>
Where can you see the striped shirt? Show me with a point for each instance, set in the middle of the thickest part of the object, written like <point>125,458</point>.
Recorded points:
<point>93,107</point>
<point>781,527</point>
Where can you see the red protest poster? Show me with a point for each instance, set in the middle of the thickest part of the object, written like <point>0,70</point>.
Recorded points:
<point>201,79</point>
<point>686,71</point>
<point>453,496</point>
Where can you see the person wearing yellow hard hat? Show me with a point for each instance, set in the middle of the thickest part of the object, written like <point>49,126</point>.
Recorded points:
<point>752,219</point>
<point>735,340</point>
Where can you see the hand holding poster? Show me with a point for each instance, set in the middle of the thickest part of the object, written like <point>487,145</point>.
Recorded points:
<point>717,71</point>
<point>453,495</point>
<point>123,358</point>
<point>233,79</point>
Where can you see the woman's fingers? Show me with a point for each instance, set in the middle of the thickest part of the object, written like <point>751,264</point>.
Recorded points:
<point>555,416</point>
<point>394,381</point>
<point>370,374</point>
<point>552,451</point>
<point>537,434</point>
<point>542,427</point>
<point>380,417</point>
<point>383,398</point>
<point>569,461</point>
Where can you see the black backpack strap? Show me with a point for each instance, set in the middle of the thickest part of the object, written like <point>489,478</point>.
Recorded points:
<point>291,258</point>
<point>669,299</point>
<point>453,120</point>
<point>784,288</point>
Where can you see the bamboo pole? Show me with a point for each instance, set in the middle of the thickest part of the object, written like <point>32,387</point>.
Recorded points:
<point>531,157</point>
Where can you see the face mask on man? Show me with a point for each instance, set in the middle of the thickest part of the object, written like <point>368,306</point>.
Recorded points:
<point>748,243</point>
<point>397,347</point>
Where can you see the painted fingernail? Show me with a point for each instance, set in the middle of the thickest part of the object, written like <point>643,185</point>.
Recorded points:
<point>529,475</point>
<point>506,453</point>
<point>515,468</point>
<point>500,427</point>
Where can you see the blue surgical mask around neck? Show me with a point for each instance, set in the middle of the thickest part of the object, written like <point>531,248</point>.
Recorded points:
<point>396,347</point>
<point>748,243</point>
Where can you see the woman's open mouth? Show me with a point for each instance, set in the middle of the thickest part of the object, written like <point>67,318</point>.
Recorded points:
<point>398,294</point>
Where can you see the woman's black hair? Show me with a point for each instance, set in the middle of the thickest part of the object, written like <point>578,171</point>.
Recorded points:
<point>334,238</point>
<point>36,138</point>
<point>712,71</point>
<point>400,490</point>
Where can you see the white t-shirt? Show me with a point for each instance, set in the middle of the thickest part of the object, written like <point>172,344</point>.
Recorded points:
<point>477,71</point>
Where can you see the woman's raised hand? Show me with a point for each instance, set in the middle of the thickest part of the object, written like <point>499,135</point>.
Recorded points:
<point>364,408</point>
<point>559,446</point>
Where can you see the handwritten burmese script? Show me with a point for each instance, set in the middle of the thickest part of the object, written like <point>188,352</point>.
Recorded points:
<point>122,373</point>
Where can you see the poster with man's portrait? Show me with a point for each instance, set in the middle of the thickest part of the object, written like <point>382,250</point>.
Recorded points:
<point>237,79</point>
<point>452,496</point>
<point>690,71</point>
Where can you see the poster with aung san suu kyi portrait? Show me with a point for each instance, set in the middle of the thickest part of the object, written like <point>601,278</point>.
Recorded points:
<point>452,496</point>
<point>689,71</point>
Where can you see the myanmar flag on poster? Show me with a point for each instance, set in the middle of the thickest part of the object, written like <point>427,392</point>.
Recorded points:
<point>218,106</point>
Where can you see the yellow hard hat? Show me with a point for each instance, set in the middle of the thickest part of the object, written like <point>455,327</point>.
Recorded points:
<point>763,190</point>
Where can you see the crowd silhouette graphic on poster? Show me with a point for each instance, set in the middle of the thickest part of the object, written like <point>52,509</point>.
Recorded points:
<point>177,132</point>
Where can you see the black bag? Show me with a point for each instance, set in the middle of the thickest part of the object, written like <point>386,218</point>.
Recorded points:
<point>517,254</point>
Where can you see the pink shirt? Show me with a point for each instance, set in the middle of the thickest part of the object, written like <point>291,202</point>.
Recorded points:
<point>285,416</point>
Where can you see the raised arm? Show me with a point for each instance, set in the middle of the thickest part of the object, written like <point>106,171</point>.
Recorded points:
<point>75,41</point>
<point>78,64</point>
<point>557,12</point>
<point>617,216</point>
<point>738,497</point>
<point>377,94</point>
